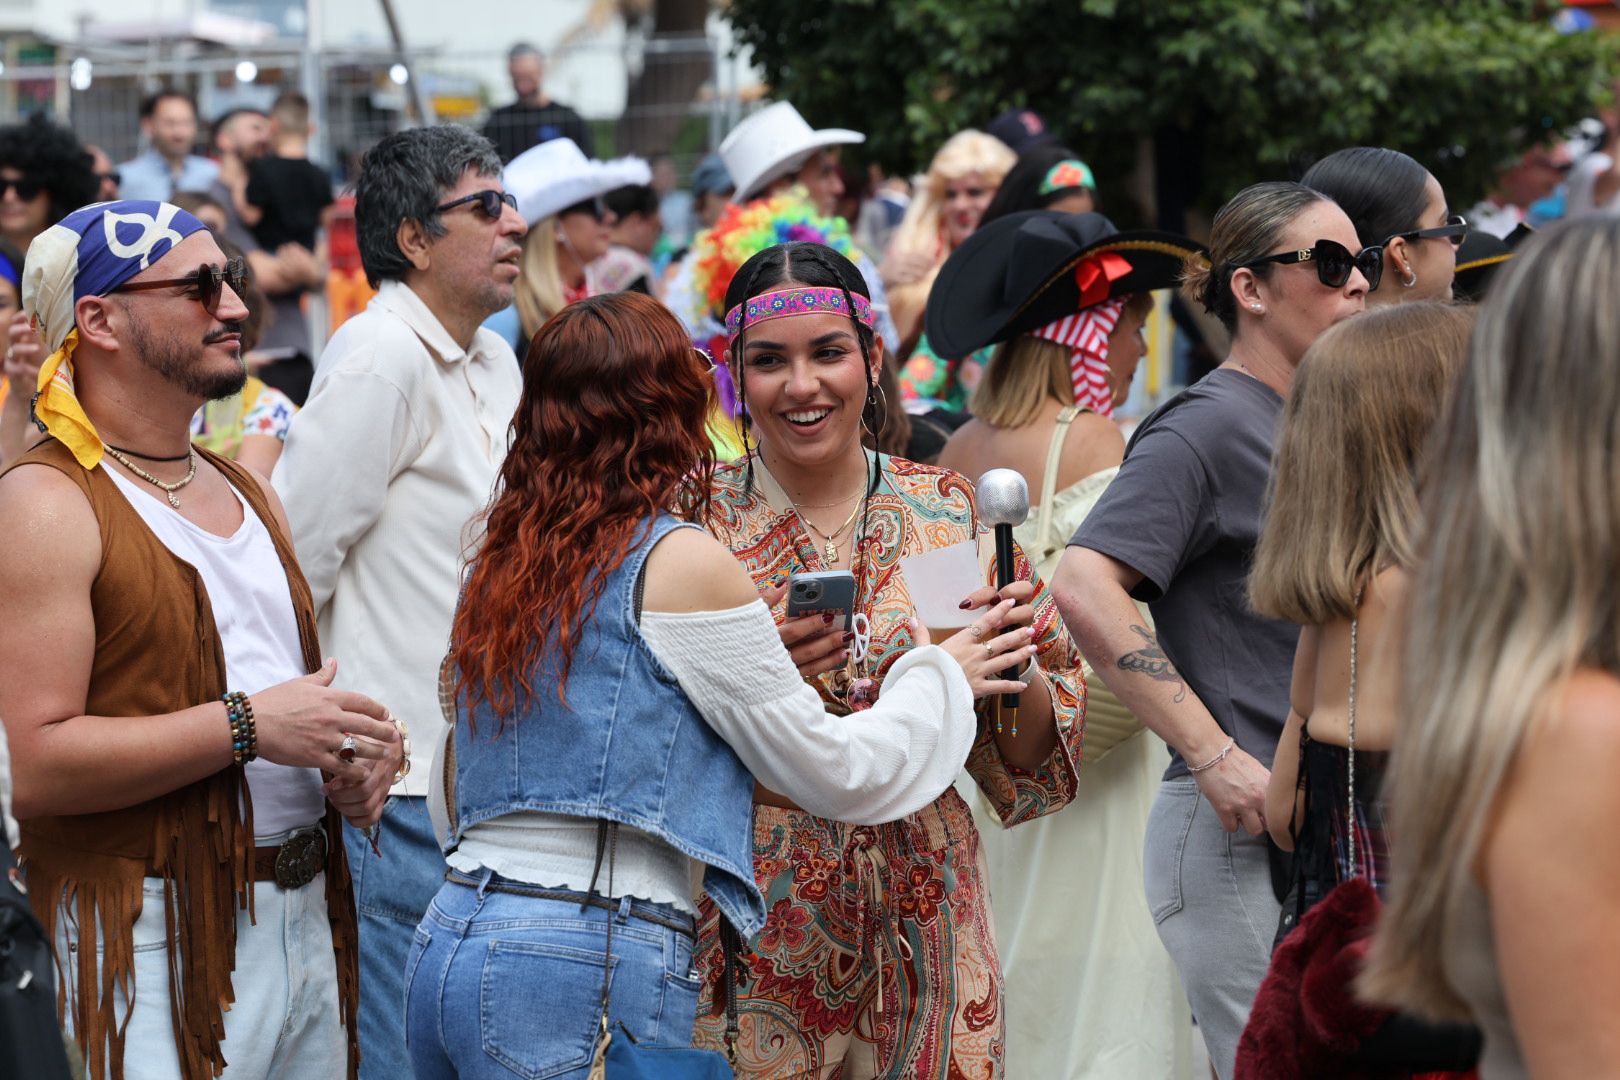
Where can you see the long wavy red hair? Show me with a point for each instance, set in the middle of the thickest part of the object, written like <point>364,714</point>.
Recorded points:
<point>610,430</point>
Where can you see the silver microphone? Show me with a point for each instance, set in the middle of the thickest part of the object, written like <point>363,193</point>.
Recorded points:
<point>1003,499</point>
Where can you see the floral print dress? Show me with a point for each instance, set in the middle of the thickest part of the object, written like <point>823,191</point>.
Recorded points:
<point>878,957</point>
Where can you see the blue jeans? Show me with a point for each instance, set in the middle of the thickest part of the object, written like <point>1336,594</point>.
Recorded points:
<point>391,894</point>
<point>500,985</point>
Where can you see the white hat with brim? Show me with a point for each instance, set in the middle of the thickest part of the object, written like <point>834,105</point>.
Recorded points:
<point>555,175</point>
<point>774,143</point>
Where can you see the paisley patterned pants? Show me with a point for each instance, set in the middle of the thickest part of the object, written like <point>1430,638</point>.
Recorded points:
<point>877,959</point>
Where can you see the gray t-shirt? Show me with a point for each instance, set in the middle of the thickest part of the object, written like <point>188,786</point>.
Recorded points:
<point>1184,512</point>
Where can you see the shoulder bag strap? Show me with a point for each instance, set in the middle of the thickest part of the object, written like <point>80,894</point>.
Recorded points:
<point>1054,454</point>
<point>1350,785</point>
<point>607,837</point>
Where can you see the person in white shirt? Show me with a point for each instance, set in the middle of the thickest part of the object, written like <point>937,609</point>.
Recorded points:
<point>385,468</point>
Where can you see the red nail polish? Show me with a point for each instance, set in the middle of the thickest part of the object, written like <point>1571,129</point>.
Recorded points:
<point>848,636</point>
<point>964,605</point>
<point>827,617</point>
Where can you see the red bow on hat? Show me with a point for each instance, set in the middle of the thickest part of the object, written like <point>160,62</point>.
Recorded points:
<point>1096,277</point>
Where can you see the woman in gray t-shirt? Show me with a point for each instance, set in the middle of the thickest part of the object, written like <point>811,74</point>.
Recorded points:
<point>1177,528</point>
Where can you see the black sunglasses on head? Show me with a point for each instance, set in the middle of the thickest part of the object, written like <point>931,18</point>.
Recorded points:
<point>1455,229</point>
<point>208,280</point>
<point>489,201</point>
<point>1333,263</point>
<point>26,187</point>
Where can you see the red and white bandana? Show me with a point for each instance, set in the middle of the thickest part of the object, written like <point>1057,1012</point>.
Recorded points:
<point>1085,334</point>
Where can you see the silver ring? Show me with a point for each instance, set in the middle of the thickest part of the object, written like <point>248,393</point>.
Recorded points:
<point>347,747</point>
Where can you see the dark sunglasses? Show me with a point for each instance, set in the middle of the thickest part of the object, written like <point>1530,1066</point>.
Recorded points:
<point>26,187</point>
<point>115,176</point>
<point>209,281</point>
<point>489,201</point>
<point>1333,263</point>
<point>596,207</point>
<point>1455,229</point>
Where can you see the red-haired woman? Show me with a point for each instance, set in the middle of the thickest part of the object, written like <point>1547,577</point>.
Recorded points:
<point>618,686</point>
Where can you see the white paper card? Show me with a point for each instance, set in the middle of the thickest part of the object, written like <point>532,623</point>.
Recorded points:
<point>940,579</point>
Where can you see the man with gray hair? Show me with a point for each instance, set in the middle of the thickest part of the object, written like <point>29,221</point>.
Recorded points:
<point>534,117</point>
<point>396,451</point>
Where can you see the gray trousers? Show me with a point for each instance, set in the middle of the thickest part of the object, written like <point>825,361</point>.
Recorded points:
<point>1211,898</point>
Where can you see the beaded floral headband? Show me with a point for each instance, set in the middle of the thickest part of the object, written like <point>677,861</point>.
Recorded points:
<point>803,301</point>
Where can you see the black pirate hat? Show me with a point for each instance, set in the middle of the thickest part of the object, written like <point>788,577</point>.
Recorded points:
<point>1025,270</point>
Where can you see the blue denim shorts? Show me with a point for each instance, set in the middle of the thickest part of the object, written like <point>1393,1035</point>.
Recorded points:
<point>501,985</point>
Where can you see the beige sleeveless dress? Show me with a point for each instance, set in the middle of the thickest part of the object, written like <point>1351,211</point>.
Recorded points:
<point>1090,992</point>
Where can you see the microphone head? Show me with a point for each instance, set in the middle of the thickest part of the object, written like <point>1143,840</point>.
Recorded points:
<point>1003,498</point>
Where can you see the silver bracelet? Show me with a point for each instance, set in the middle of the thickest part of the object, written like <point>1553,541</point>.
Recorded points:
<point>1216,760</point>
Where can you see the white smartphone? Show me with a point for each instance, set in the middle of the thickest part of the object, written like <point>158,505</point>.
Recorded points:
<point>823,592</point>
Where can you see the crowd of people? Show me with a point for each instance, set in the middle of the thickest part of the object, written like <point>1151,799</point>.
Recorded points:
<point>600,657</point>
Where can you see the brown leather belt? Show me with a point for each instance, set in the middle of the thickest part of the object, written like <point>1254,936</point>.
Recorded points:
<point>292,864</point>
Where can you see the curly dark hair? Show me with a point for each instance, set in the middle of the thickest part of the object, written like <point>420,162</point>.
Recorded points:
<point>51,154</point>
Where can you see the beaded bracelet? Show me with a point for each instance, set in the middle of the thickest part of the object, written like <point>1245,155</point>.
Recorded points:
<point>244,733</point>
<point>1216,760</point>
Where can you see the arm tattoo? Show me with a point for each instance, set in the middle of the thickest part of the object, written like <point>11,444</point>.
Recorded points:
<point>1150,660</point>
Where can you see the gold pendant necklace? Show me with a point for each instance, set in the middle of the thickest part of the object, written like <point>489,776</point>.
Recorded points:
<point>167,488</point>
<point>829,539</point>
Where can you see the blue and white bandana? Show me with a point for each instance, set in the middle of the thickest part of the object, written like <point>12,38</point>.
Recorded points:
<point>90,252</point>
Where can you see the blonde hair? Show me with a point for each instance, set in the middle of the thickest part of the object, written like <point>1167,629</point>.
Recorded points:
<point>1342,501</point>
<point>1027,372</point>
<point>921,230</point>
<point>539,291</point>
<point>1514,586</point>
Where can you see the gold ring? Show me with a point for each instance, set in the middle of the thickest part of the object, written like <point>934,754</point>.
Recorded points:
<point>989,649</point>
<point>976,631</point>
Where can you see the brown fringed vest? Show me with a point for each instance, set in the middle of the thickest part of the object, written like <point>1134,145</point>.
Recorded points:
<point>157,651</point>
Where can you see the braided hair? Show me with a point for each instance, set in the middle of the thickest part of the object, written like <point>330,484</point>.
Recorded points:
<point>821,267</point>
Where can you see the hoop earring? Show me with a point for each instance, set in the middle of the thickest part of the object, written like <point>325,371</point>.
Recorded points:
<point>871,405</point>
<point>1407,283</point>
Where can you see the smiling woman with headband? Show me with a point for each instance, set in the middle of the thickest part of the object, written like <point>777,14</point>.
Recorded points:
<point>902,907</point>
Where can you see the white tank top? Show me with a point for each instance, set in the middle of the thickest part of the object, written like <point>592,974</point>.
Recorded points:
<point>247,589</point>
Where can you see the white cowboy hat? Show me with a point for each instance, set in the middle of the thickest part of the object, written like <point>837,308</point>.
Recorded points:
<point>773,143</point>
<point>556,174</point>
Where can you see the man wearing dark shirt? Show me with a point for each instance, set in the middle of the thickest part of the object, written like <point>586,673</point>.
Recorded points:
<point>533,118</point>
<point>286,192</point>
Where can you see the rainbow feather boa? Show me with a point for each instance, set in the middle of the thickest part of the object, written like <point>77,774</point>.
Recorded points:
<point>744,231</point>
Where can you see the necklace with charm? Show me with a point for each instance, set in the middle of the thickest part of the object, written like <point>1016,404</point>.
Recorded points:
<point>830,540</point>
<point>167,488</point>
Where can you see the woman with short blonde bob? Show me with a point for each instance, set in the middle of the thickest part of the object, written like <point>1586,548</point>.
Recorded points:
<point>1504,905</point>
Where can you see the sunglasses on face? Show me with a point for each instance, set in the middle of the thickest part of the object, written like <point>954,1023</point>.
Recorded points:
<point>596,207</point>
<point>26,187</point>
<point>705,359</point>
<point>208,280</point>
<point>1333,263</point>
<point>115,176</point>
<point>1455,229</point>
<point>489,201</point>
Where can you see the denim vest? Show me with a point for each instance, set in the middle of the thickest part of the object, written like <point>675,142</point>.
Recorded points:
<point>628,747</point>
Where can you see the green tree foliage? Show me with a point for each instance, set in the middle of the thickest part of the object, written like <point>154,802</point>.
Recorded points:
<point>1242,89</point>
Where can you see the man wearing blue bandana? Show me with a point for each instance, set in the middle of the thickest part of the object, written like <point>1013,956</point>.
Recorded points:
<point>181,761</point>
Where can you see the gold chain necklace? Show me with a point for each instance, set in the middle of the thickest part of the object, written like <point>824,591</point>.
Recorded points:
<point>167,488</point>
<point>830,539</point>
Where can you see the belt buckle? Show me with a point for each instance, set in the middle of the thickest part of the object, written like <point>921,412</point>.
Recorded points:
<point>302,856</point>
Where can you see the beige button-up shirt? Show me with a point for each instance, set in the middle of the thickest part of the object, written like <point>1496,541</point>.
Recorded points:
<point>385,467</point>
